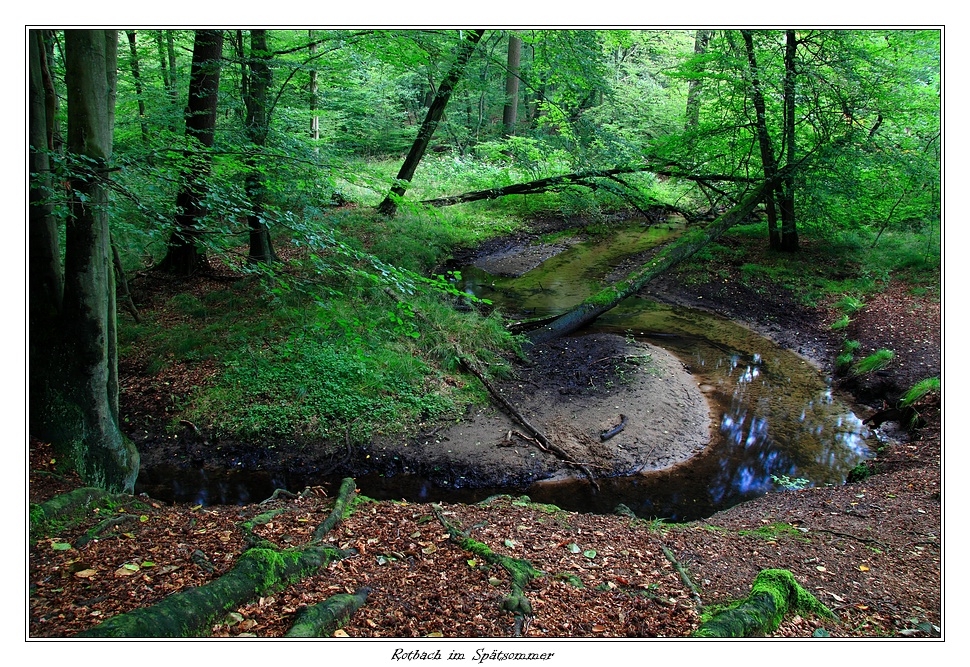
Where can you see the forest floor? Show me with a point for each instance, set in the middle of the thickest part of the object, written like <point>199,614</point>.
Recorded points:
<point>872,551</point>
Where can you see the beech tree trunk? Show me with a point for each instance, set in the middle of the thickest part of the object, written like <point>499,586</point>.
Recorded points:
<point>693,112</point>
<point>789,231</point>
<point>184,256</point>
<point>74,390</point>
<point>136,77</point>
<point>609,297</point>
<point>256,85</point>
<point>435,111</point>
<point>510,110</point>
<point>768,162</point>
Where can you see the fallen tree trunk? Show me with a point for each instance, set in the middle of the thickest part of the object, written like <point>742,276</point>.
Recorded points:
<point>583,178</point>
<point>773,594</point>
<point>609,297</point>
<point>258,571</point>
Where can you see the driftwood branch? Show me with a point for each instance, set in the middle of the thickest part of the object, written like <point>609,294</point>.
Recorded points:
<point>540,437</point>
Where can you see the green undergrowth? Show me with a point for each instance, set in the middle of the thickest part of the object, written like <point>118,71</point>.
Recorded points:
<point>831,265</point>
<point>342,341</point>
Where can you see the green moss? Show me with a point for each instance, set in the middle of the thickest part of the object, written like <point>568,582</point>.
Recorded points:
<point>774,593</point>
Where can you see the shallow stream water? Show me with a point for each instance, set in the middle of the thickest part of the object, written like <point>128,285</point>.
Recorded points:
<point>777,421</point>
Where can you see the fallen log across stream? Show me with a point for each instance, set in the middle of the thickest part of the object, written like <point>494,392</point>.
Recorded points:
<point>609,297</point>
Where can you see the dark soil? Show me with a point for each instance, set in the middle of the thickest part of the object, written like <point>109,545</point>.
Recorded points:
<point>870,550</point>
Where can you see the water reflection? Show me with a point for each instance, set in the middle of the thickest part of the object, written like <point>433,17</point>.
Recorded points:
<point>775,416</point>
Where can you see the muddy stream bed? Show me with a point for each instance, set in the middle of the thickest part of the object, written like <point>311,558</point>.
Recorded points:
<point>714,414</point>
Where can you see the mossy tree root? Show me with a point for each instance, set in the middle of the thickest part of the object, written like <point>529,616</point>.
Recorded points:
<point>72,507</point>
<point>321,620</point>
<point>259,571</point>
<point>521,571</point>
<point>773,594</point>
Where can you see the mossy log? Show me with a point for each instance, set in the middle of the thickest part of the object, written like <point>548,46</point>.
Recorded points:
<point>73,507</point>
<point>609,297</point>
<point>521,571</point>
<point>258,571</point>
<point>66,505</point>
<point>773,594</point>
<point>321,620</point>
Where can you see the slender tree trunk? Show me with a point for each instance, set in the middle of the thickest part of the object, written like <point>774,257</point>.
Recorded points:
<point>764,142</point>
<point>184,256</point>
<point>511,108</point>
<point>257,127</point>
<point>701,39</point>
<point>136,76</point>
<point>314,97</point>
<point>45,275</point>
<point>389,205</point>
<point>79,399</point>
<point>789,230</point>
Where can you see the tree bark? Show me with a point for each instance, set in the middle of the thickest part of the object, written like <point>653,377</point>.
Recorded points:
<point>45,274</point>
<point>510,110</point>
<point>701,39</point>
<point>321,620</point>
<point>184,257</point>
<point>584,178</point>
<point>78,397</point>
<point>768,162</point>
<point>773,594</point>
<point>609,297</point>
<point>255,95</point>
<point>258,571</point>
<point>435,111</point>
<point>136,77</point>
<point>789,230</point>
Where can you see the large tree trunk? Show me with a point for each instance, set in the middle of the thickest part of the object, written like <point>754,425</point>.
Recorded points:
<point>45,275</point>
<point>78,397</point>
<point>768,162</point>
<point>435,111</point>
<point>511,107</point>
<point>184,257</point>
<point>609,297</point>
<point>255,94</point>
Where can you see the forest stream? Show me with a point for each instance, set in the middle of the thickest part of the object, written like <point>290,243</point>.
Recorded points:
<point>775,421</point>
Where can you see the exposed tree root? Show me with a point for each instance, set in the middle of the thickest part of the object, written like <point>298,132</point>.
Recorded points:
<point>321,620</point>
<point>684,576</point>
<point>521,571</point>
<point>259,571</point>
<point>773,594</point>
